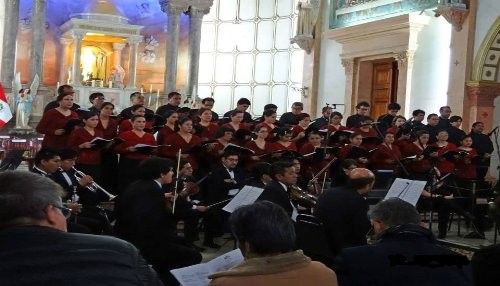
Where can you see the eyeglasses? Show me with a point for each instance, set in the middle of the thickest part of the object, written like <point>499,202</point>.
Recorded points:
<point>66,212</point>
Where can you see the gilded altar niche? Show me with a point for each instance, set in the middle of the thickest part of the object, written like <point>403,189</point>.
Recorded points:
<point>345,13</point>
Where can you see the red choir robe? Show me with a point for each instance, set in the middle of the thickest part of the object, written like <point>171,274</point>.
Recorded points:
<point>465,167</point>
<point>277,146</point>
<point>176,142</point>
<point>50,122</point>
<point>444,165</point>
<point>295,131</point>
<point>270,135</point>
<point>86,156</point>
<point>162,136</point>
<point>383,153</point>
<point>126,125</point>
<point>111,131</point>
<point>131,139</point>
<point>344,154</point>
<point>207,133</point>
<point>417,166</point>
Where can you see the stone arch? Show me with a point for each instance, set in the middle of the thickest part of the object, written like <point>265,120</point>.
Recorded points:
<point>487,61</point>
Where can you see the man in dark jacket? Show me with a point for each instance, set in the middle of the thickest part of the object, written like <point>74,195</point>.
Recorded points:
<point>35,248</point>
<point>483,145</point>
<point>143,219</point>
<point>404,254</point>
<point>343,210</point>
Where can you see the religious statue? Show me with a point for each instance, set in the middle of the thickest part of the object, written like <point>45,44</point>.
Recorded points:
<point>117,76</point>
<point>24,100</point>
<point>308,11</point>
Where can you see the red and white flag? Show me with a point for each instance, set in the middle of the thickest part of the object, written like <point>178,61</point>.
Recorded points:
<point>5,113</point>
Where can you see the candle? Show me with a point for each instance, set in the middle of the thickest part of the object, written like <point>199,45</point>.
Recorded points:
<point>101,84</point>
<point>67,82</point>
<point>157,98</point>
<point>110,84</point>
<point>57,85</point>
<point>93,83</point>
<point>142,90</point>
<point>150,88</point>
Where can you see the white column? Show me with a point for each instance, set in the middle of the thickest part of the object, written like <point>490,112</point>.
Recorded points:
<point>195,20</point>
<point>172,44</point>
<point>117,53</point>
<point>405,72</point>
<point>76,77</point>
<point>63,63</point>
<point>9,42</point>
<point>134,44</point>
<point>351,67</point>
<point>2,25</point>
<point>37,39</point>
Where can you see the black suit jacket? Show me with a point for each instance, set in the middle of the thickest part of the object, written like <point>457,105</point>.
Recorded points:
<point>38,255</point>
<point>344,215</point>
<point>275,193</point>
<point>216,189</point>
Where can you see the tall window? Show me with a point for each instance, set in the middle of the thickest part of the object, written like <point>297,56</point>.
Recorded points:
<point>246,52</point>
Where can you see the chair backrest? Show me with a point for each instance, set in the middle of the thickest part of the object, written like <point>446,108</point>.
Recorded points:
<point>312,239</point>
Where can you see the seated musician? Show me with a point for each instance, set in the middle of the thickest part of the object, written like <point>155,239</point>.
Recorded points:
<point>386,156</point>
<point>130,156</point>
<point>185,141</point>
<point>89,159</point>
<point>78,191</point>
<point>185,208</point>
<point>143,219</point>
<point>205,128</point>
<point>283,140</point>
<point>335,122</point>
<point>277,191</point>
<point>136,98</point>
<point>242,105</point>
<point>269,122</point>
<point>126,125</point>
<point>355,151</point>
<point>261,175</point>
<point>299,131</point>
<point>266,237</point>
<point>224,181</point>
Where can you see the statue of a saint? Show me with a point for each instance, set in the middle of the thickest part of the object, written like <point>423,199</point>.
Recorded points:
<point>117,76</point>
<point>23,102</point>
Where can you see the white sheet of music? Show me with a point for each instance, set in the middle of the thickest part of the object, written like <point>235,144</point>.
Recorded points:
<point>407,190</point>
<point>197,275</point>
<point>247,196</point>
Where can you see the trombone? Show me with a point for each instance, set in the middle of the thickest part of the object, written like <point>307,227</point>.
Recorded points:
<point>94,186</point>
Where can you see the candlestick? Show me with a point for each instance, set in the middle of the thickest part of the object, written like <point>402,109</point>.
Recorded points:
<point>150,88</point>
<point>110,84</point>
<point>101,83</point>
<point>57,85</point>
<point>142,90</point>
<point>67,82</point>
<point>92,83</point>
<point>157,98</point>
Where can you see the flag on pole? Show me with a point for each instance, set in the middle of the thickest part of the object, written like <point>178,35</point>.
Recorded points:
<point>5,113</point>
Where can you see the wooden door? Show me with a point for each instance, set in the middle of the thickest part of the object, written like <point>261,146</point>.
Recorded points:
<point>383,88</point>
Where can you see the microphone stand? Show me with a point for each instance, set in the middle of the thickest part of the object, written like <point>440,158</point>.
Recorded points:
<point>326,143</point>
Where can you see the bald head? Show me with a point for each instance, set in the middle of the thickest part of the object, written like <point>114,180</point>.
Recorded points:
<point>361,180</point>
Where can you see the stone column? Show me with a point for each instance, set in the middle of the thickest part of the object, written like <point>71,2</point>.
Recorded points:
<point>481,97</point>
<point>9,42</point>
<point>76,77</point>
<point>351,67</point>
<point>172,43</point>
<point>117,53</point>
<point>405,68</point>
<point>63,63</point>
<point>195,19</point>
<point>132,71</point>
<point>37,39</point>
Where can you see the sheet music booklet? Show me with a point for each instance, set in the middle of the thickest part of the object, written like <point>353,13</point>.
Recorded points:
<point>197,275</point>
<point>407,190</point>
<point>248,195</point>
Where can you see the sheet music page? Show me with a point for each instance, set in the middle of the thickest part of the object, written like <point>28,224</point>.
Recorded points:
<point>406,190</point>
<point>197,275</point>
<point>248,195</point>
<point>225,261</point>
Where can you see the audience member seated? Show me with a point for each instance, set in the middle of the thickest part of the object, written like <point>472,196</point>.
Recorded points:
<point>405,253</point>
<point>35,248</point>
<point>266,237</point>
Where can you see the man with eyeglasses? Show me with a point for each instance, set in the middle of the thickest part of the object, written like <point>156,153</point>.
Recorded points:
<point>362,110</point>
<point>292,117</point>
<point>35,248</point>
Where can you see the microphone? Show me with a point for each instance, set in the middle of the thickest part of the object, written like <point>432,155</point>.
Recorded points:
<point>493,131</point>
